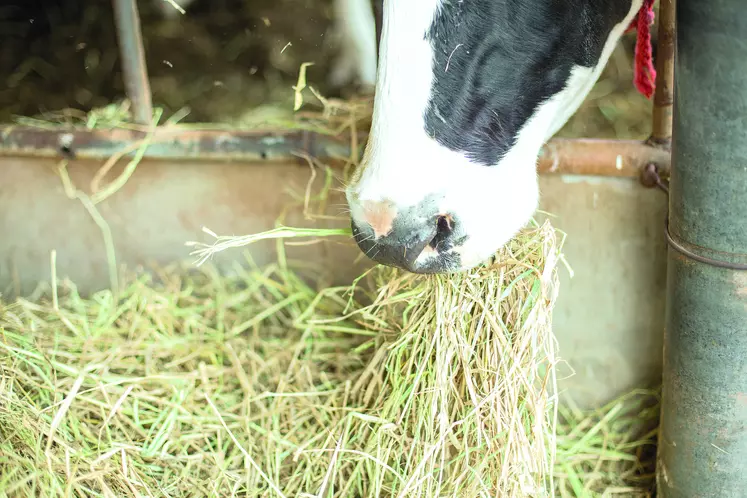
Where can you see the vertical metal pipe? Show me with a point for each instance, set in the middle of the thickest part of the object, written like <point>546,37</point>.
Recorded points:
<point>703,435</point>
<point>132,55</point>
<point>663,98</point>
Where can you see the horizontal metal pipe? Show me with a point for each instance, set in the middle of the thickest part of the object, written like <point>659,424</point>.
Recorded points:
<point>617,158</point>
<point>613,158</point>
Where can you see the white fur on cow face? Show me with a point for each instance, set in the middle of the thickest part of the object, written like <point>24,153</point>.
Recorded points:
<point>404,166</point>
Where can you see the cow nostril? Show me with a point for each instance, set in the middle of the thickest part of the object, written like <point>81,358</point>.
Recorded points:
<point>444,227</point>
<point>444,223</point>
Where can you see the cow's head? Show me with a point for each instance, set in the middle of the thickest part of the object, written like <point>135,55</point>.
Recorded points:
<point>467,92</point>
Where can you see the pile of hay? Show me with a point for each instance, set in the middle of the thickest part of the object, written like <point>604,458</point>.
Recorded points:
<point>197,384</point>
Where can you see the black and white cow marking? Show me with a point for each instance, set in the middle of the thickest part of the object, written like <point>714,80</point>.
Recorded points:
<point>467,92</point>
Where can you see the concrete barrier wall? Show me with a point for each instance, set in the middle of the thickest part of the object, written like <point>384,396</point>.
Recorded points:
<point>609,319</point>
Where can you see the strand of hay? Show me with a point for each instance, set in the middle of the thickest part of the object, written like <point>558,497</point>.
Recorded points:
<point>204,251</point>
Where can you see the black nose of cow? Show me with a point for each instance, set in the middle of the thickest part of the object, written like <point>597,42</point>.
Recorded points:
<point>400,239</point>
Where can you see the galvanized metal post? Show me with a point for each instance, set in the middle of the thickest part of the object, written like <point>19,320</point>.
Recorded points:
<point>132,55</point>
<point>703,436</point>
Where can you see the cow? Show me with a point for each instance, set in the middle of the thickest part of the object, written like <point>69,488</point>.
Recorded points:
<point>466,94</point>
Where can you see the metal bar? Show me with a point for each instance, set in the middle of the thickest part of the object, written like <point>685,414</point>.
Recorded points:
<point>132,54</point>
<point>703,434</point>
<point>611,158</point>
<point>664,96</point>
<point>617,158</point>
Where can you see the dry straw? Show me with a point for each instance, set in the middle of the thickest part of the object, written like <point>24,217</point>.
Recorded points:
<point>261,386</point>
<point>469,376</point>
<point>197,384</point>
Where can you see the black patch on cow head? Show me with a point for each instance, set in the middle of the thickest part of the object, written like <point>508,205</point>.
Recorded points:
<point>496,61</point>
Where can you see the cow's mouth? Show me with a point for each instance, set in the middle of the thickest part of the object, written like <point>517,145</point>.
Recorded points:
<point>434,253</point>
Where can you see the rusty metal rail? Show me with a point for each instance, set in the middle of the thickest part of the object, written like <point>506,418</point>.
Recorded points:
<point>616,158</point>
<point>613,158</point>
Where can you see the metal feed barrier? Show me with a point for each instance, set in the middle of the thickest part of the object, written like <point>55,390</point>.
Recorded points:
<point>703,436</point>
<point>560,156</point>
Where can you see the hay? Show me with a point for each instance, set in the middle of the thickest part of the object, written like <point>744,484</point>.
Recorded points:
<point>258,385</point>
<point>202,385</point>
<point>470,376</point>
<point>610,451</point>
<point>242,386</point>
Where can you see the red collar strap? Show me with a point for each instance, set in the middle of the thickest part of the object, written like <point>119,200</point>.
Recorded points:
<point>644,72</point>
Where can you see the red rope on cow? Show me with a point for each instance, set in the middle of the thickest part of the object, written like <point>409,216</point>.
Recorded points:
<point>644,73</point>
